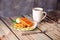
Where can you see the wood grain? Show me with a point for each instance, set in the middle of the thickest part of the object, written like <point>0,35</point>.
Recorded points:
<point>2,35</point>
<point>18,33</point>
<point>37,36</point>
<point>51,29</point>
<point>6,32</point>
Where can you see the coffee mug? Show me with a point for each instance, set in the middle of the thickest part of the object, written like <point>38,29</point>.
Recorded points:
<point>38,14</point>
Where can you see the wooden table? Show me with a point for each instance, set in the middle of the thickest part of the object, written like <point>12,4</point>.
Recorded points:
<point>46,30</point>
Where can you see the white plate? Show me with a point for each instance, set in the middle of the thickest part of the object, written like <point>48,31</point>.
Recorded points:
<point>32,27</point>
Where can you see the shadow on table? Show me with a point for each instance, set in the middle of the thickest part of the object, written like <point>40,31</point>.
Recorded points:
<point>53,15</point>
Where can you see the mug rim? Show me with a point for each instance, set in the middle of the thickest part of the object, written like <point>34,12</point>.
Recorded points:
<point>41,9</point>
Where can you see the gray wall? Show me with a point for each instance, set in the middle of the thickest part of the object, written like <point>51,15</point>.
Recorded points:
<point>48,5</point>
<point>10,8</point>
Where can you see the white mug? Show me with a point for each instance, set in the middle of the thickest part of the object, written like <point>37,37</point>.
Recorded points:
<point>38,14</point>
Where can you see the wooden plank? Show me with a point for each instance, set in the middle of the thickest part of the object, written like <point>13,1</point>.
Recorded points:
<point>2,35</point>
<point>39,36</point>
<point>55,15</point>
<point>58,15</point>
<point>51,29</point>
<point>29,32</point>
<point>55,31</point>
<point>7,32</point>
<point>18,33</point>
<point>59,21</point>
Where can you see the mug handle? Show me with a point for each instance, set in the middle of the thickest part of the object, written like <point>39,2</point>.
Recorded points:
<point>44,16</point>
